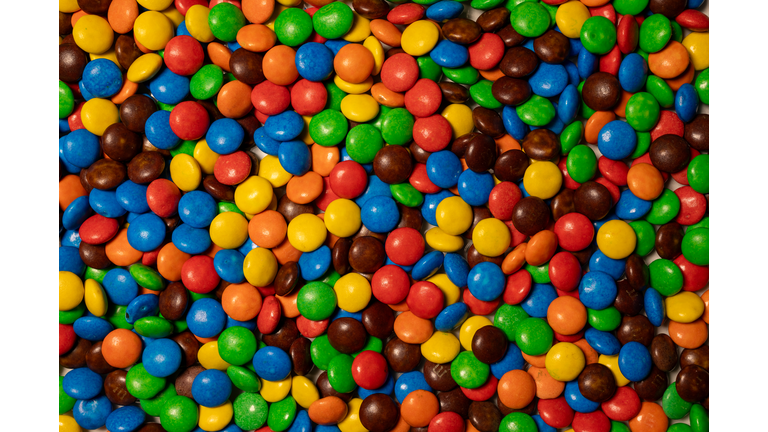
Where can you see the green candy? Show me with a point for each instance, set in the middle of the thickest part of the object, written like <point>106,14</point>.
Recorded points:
<point>328,127</point>
<point>281,414</point>
<point>664,208</point>
<point>147,277</point>
<point>333,20</point>
<point>643,54</point>
<point>373,344</point>
<point>321,352</point>
<point>206,82</point>
<point>397,127</point>
<point>533,336</point>
<point>552,10</point>
<point>702,86</point>
<point>154,406</point>
<point>598,35</point>
<point>679,427</point>
<point>237,345</point>
<point>508,317</point>
<point>116,317</point>
<point>165,106</point>
<point>581,163</point>
<point>696,246</point>
<point>468,371</point>
<point>335,95</point>
<point>377,121</point>
<point>698,173</point>
<point>363,142</point>
<point>428,68</point>
<point>331,278</point>
<point>571,136</point>
<point>666,277</point>
<point>186,147</point>
<point>66,402</point>
<point>586,111</point>
<point>518,422</point>
<point>179,414</point>
<point>244,379</point>
<point>141,384</point>
<point>153,327</point>
<point>293,26</point>
<point>425,2</point>
<point>703,223</point>
<point>699,419</point>
<point>250,411</point>
<point>530,19</point>
<point>642,111</point>
<point>466,75</point>
<point>677,32</point>
<point>66,100</point>
<point>659,89</point>
<point>674,406</point>
<point>485,4</point>
<point>655,33</point>
<point>643,144</point>
<point>481,94</point>
<point>619,427</point>
<point>539,274</point>
<point>225,20</point>
<point>646,237</point>
<point>179,326</point>
<point>316,301</point>
<point>340,373</point>
<point>70,316</point>
<point>607,319</point>
<point>406,194</point>
<point>97,274</point>
<point>536,111</point>
<point>629,7</point>
<point>229,207</point>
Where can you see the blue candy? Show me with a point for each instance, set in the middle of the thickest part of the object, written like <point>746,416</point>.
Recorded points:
<point>631,207</point>
<point>76,213</point>
<point>475,188</point>
<point>540,425</point>
<point>93,329</point>
<point>409,382</point>
<point>404,267</point>
<point>380,214</point>
<point>427,265</point>
<point>294,156</point>
<point>86,94</point>
<point>617,140</point>
<point>444,10</point>
<point>146,233</point>
<point>64,126</point>
<point>120,287</point>
<point>125,419</point>
<point>92,414</point>
<point>449,54</point>
<point>632,73</point>
<point>102,78</point>
<point>301,423</point>
<point>159,132</point>
<point>314,264</point>
<point>575,399</point>
<point>335,45</point>
<point>444,168</point>
<point>191,240</point>
<point>597,224</point>
<point>512,360</point>
<point>284,126</point>
<point>549,80</point>
<point>451,317</point>
<point>69,260</point>
<point>512,123</point>
<point>341,313</point>
<point>250,324</point>
<point>264,142</point>
<point>538,300</point>
<point>613,267</point>
<point>456,268</point>
<point>573,71</point>
<point>105,203</point>
<point>206,318</point>
<point>634,361</point>
<point>387,388</point>
<point>597,290</point>
<point>486,281</point>
<point>375,187</point>
<point>211,388</point>
<point>142,306</point>
<point>602,342</point>
<point>197,209</point>
<point>224,136</point>
<point>654,305</point>
<point>431,201</point>
<point>694,4</point>
<point>80,148</point>
<point>569,104</point>
<point>246,247</point>
<point>169,88</point>
<point>314,61</point>
<point>586,63</point>
<point>686,102</point>
<point>272,363</point>
<point>162,358</point>
<point>228,264</point>
<point>72,169</point>
<point>133,197</point>
<point>71,238</point>
<point>82,383</point>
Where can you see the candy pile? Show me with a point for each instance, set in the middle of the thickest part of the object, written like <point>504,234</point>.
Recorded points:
<point>383,216</point>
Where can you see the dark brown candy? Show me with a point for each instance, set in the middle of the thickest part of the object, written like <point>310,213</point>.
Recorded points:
<point>511,165</point>
<point>635,329</point>
<point>371,9</point>
<point>326,389</point>
<point>585,254</point>
<point>401,356</point>
<point>596,382</point>
<point>419,154</point>
<point>340,256</point>
<point>511,91</point>
<point>301,357</point>
<point>145,167</point>
<point>72,61</point>
<point>189,345</point>
<point>563,203</point>
<point>84,181</point>
<point>593,200</point>
<point>637,271</point>
<point>365,232</point>
<point>366,255</point>
<point>454,401</point>
<point>552,47</point>
<point>95,360</point>
<point>629,301</point>
<point>519,62</point>
<point>494,19</point>
<point>249,124</point>
<point>669,240</point>
<point>438,376</point>
<point>379,413</point>
<point>378,320</point>
<point>246,66</point>
<point>347,335</point>
<point>105,174</point>
<point>126,51</point>
<point>474,258</point>
<point>94,256</point>
<point>393,51</point>
<point>75,358</point>
<point>454,93</point>
<point>697,132</point>
<point>663,352</point>
<point>480,154</point>
<point>171,222</point>
<point>489,123</point>
<point>174,301</point>
<point>653,386</point>
<point>460,144</point>
<point>531,215</point>
<point>393,164</point>
<point>151,427</point>
<point>529,409</point>
<point>213,110</point>
<point>184,381</point>
<point>134,113</point>
<point>283,337</point>
<point>670,153</point>
<point>698,357</point>
<point>287,278</point>
<point>65,23</point>
<point>120,143</point>
<point>542,145</point>
<point>510,36</point>
<point>692,383</point>
<point>669,8</point>
<point>115,388</point>
<point>484,416</point>
<point>601,91</point>
<point>97,7</point>
<point>489,344</point>
<point>462,31</point>
<point>409,217</point>
<point>290,209</point>
<point>478,213</point>
<point>218,190</point>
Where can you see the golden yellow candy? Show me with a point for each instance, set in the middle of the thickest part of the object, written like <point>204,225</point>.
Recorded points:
<point>451,292</point>
<point>275,391</point>
<point>205,156</point>
<point>353,88</point>
<point>419,38</point>
<point>684,307</point>
<point>185,172</point>
<point>570,17</point>
<point>109,55</point>
<point>68,6</point>
<point>565,361</point>
<point>145,68</point>
<point>67,423</point>
<point>342,217</point>
<point>454,216</point>
<point>374,46</point>
<point>305,133</point>
<point>361,29</point>
<point>543,179</point>
<point>260,267</point>
<point>353,292</point>
<point>270,169</point>
<point>304,391</point>
<point>441,347</point>
<point>71,290</point>
<point>153,30</point>
<point>439,240</point>
<point>209,358</point>
<point>470,327</point>
<point>306,232</point>
<point>351,422</point>
<point>253,195</point>
<point>612,363</point>
<point>460,118</point>
<point>93,34</point>
<point>229,230</point>
<point>359,108</point>
<point>174,15</point>
<point>98,114</point>
<point>196,21</point>
<point>95,298</point>
<point>616,239</point>
<point>289,3</point>
<point>491,237</point>
<point>697,45</point>
<point>216,418</point>
<point>155,5</point>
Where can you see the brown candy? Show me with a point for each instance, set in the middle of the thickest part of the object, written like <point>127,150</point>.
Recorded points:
<point>84,181</point>
<point>489,344</point>
<point>531,215</point>
<point>462,31</point>
<point>301,357</point>
<point>562,204</point>
<point>283,337</point>
<point>116,390</point>
<point>393,164</point>
<point>601,91</point>
<point>438,376</point>
<point>126,51</point>
<point>510,36</point>
<point>692,383</point>
<point>511,91</point>
<point>366,255</point>
<point>484,416</point>
<point>419,154</point>
<point>669,8</point>
<point>326,389</point>
<point>511,165</point>
<point>596,382</point>
<point>493,19</point>
<point>379,413</point>
<point>246,66</point>
<point>629,301</point>
<point>670,153</point>
<point>529,409</point>
<point>488,122</point>
<point>474,258</point>
<point>218,190</point>
<point>287,278</point>
<point>189,345</point>
<point>401,356</point>
<point>454,93</point>
<point>94,256</point>
<point>478,213</point>
<point>371,9</point>
<point>593,200</point>
<point>519,62</point>
<point>95,360</point>
<point>542,145</point>
<point>134,113</point>
<point>409,217</point>
<point>65,23</point>
<point>454,401</point>
<point>669,240</point>
<point>698,357</point>
<point>347,335</point>
<point>184,381</point>
<point>290,209</point>
<point>365,232</point>
<point>635,329</point>
<point>72,61</point>
<point>480,154</point>
<point>378,320</point>
<point>174,301</point>
<point>697,132</point>
<point>145,167</point>
<point>94,7</point>
<point>653,386</point>
<point>663,352</point>
<point>552,47</point>
<point>75,358</point>
<point>105,174</point>
<point>340,256</point>
<point>151,427</point>
<point>460,144</point>
<point>120,143</point>
<point>637,271</point>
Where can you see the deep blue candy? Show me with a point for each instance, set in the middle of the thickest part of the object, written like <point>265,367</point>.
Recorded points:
<point>512,123</point>
<point>72,169</point>
<point>169,88</point>
<point>125,419</point>
<point>540,425</point>
<point>375,187</point>
<point>538,300</point>
<point>549,80</point>
<point>92,328</point>
<point>131,216</point>
<point>264,142</point>
<point>92,414</point>
<point>64,126</point>
<point>598,224</point>
<point>102,78</point>
<point>314,61</point>
<point>451,317</point>
<point>228,264</point>
<point>576,47</point>
<point>573,70</point>
<point>181,30</point>
<point>597,290</point>
<point>211,388</point>
<point>132,197</point>
<point>328,428</point>
<point>654,305</point>
<point>635,361</point>
<point>586,63</point>
<point>86,94</point>
<point>81,148</point>
<point>142,306</point>
<point>427,265</point>
<point>71,238</point>
<point>486,281</point>
<point>602,342</point>
<point>82,383</point>
<point>404,267</point>
<point>617,140</point>
<point>631,207</point>
<point>314,264</point>
<point>575,399</point>
<point>206,318</point>
<point>246,247</point>
<point>456,268</point>
<point>159,132</point>
<point>301,422</point>
<point>230,428</point>
<point>555,125</point>
<point>197,209</point>
<point>444,10</point>
<point>449,54</point>
<point>386,388</point>
<point>233,46</point>
<point>272,363</point>
<point>76,213</point>
<point>162,357</point>
<point>569,104</point>
<point>409,382</point>
<point>146,233</point>
<point>69,260</point>
<point>341,313</point>
<point>614,267</point>
<point>380,214</point>
<point>444,168</point>
<point>120,287</point>
<point>294,156</point>
<point>686,102</point>
<point>475,188</point>
<point>250,324</point>
<point>105,203</point>
<point>191,240</point>
<point>429,206</point>
<point>512,360</point>
<point>335,45</point>
<point>694,4</point>
<point>284,126</point>
<point>145,341</point>
<point>528,44</point>
<point>632,73</point>
<point>523,191</point>
<point>224,136</point>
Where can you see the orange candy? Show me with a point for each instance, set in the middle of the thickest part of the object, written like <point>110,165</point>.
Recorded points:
<point>514,260</point>
<point>304,189</point>
<point>386,32</point>
<point>546,386</point>
<point>419,407</point>
<point>122,14</point>
<point>684,78</point>
<point>621,108</point>
<point>219,55</point>
<point>590,355</point>
<point>540,248</point>
<point>505,143</point>
<point>234,100</point>
<point>324,159</point>
<point>329,410</point>
<point>127,90</point>
<point>412,329</point>
<point>280,66</point>
<point>258,11</point>
<point>651,418</point>
<point>169,262</point>
<point>690,335</point>
<point>285,252</point>
<point>705,298</point>
<point>288,304</point>
<point>121,348</point>
<point>242,302</point>
<point>353,63</point>
<point>567,315</point>
<point>669,62</point>
<point>400,307</point>
<point>492,74</point>
<point>645,181</point>
<point>120,252</point>
<point>594,3</point>
<point>517,389</point>
<point>595,123</point>
<point>70,189</point>
<point>256,37</point>
<point>387,97</point>
<point>538,361</point>
<point>267,229</point>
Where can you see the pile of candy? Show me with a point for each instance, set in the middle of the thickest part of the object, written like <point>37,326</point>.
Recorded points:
<point>383,216</point>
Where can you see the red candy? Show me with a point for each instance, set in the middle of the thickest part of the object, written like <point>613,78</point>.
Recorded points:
<point>189,120</point>
<point>432,133</point>
<point>564,271</point>
<point>423,100</point>
<point>405,14</point>
<point>693,205</point>
<point>184,55</point>
<point>568,182</point>
<point>98,229</point>
<point>269,315</point>
<point>613,170</point>
<point>484,392</point>
<point>199,275</point>
<point>420,180</point>
<point>326,196</point>
<point>606,11</point>
<point>233,168</point>
<point>574,232</point>
<point>369,370</point>
<point>270,99</point>
<point>390,284</point>
<point>404,246</point>
<point>479,307</point>
<point>693,20</point>
<point>612,189</point>
<point>695,277</point>
<point>308,98</point>
<point>668,123</point>
<point>555,412</point>
<point>425,300</point>
<point>447,421</point>
<point>400,72</point>
<point>309,328</point>
<point>348,179</point>
<point>627,34</point>
<point>517,288</point>
<point>502,200</point>
<point>595,421</point>
<point>610,62</point>
<point>623,406</point>
<point>163,197</point>
<point>66,338</point>
<point>487,52</point>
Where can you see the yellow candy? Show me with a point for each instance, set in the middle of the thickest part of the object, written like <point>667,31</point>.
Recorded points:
<point>95,298</point>
<point>353,292</point>
<point>145,68</point>
<point>306,232</point>
<point>470,327</point>
<point>612,363</point>
<point>441,348</point>
<point>451,292</point>
<point>253,195</point>
<point>153,30</point>
<point>67,423</point>
<point>419,38</point>
<point>697,44</point>
<point>98,114</point>
<point>209,358</point>
<point>109,54</point>
<point>68,6</point>
<point>454,216</point>
<point>260,267</point>
<point>305,133</point>
<point>93,34</point>
<point>361,29</point>
<point>289,3</point>
<point>155,5</point>
<point>491,237</point>
<point>616,239</point>
<point>439,240</point>
<point>196,21</point>
<point>684,307</point>
<point>374,46</point>
<point>351,422</point>
<point>185,172</point>
<point>570,17</point>
<point>275,391</point>
<point>342,217</point>
<point>565,361</point>
<point>353,88</point>
<point>543,179</point>
<point>359,108</point>
<point>71,290</point>
<point>174,15</point>
<point>229,230</point>
<point>270,169</point>
<point>205,156</point>
<point>216,418</point>
<point>460,118</point>
<point>304,391</point>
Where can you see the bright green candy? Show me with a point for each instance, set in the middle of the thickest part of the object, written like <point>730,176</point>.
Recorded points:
<point>66,100</point>
<point>664,208</point>
<point>533,336</point>
<point>179,414</point>
<point>228,77</point>
<point>646,237</point>
<point>379,119</point>
<point>655,33</point>
<point>153,407</point>
<point>97,274</point>
<point>180,325</point>
<point>551,10</point>
<point>244,379</point>
<point>293,26</point>
<point>340,373</point>
<point>281,414</point>
<point>373,344</point>
<point>397,127</point>
<point>406,194</point>
<point>642,111</point>
<point>702,86</point>
<point>141,384</point>
<point>237,345</point>
<point>316,301</point>
<point>70,316</point>
<point>674,406</point>
<point>581,163</point>
<point>331,278</point>
<point>511,4</point>
<point>66,402</point>
<point>536,111</point>
<point>679,427</point>
<point>321,352</point>
<point>666,277</point>
<point>518,422</point>
<point>482,95</point>
<point>229,207</point>
<point>116,317</point>
<point>206,82</point>
<point>643,144</point>
<point>147,277</point>
<point>165,106</point>
<point>619,427</point>
<point>508,317</point>
<point>335,95</point>
<point>530,19</point>
<point>186,147</point>
<point>328,127</point>
<point>677,32</point>
<point>607,319</point>
<point>598,35</point>
<point>629,7</point>
<point>466,75</point>
<point>485,4</point>
<point>333,20</point>
<point>586,111</point>
<point>696,246</point>
<point>642,54</point>
<point>571,136</point>
<point>660,90</point>
<point>428,68</point>
<point>425,2</point>
<point>153,327</point>
<point>539,274</point>
<point>698,173</point>
<point>699,419</point>
<point>468,371</point>
<point>703,223</point>
<point>363,142</point>
<point>225,20</point>
<point>250,411</point>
